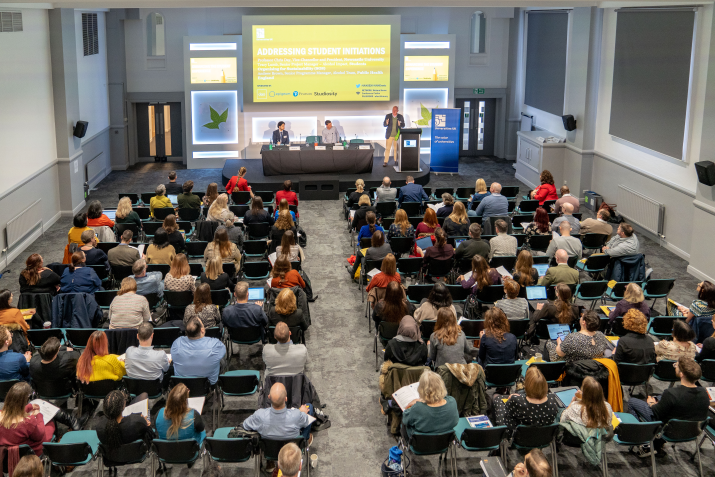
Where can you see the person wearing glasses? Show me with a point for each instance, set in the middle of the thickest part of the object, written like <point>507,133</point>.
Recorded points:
<point>280,135</point>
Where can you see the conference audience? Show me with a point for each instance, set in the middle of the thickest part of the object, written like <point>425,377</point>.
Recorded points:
<point>385,193</point>
<point>195,355</point>
<point>561,273</point>
<point>283,276</point>
<point>284,357</point>
<point>128,310</point>
<point>560,311</point>
<point>366,231</point>
<point>438,298</point>
<point>545,191</point>
<point>482,275</point>
<point>707,346</point>
<point>589,407</point>
<point>284,206</point>
<point>360,215</point>
<point>239,183</point>
<point>177,421</point>
<point>93,255</point>
<point>283,223</point>
<point>124,255</point>
<point>355,195</point>
<point>513,306</point>
<point>632,300</point>
<point>286,311</point>
<point>457,223</point>
<point>699,315</point>
<point>173,187</point>
<point>496,344</point>
<point>96,364</point>
<point>288,195</point>
<point>567,216</point>
<point>636,347</point>
<point>79,279</point>
<point>587,343</point>
<point>160,200</point>
<point>572,245</point>
<point>502,245</point>
<point>566,198</point>
<point>223,248</point>
<point>681,346</point>
<point>115,430</point>
<point>257,214</point>
<point>433,413</point>
<point>186,198</point>
<point>143,361</point>
<point>401,227</point>
<point>219,211</point>
<point>480,192</point>
<point>176,239</point>
<point>243,314</point>
<point>23,423</point>
<point>278,422</point>
<point>79,225</point>
<point>203,308</point>
<point>535,465</point>
<point>407,347</point>
<point>378,251</point>
<point>623,243</point>
<point>290,460</point>
<point>537,407</point>
<point>599,225</point>
<point>96,216</point>
<point>160,250</point>
<point>393,307</point>
<point>493,205</point>
<point>411,192</point>
<point>289,248</point>
<point>29,466</point>
<point>388,273</point>
<point>211,195</point>
<point>448,343</point>
<point>179,276</point>
<point>214,276</point>
<point>445,209</point>
<point>54,367</point>
<point>539,226</point>
<point>147,282</point>
<point>36,278</point>
<point>524,272</point>
<point>125,214</point>
<point>13,365</point>
<point>441,250</point>
<point>11,316</point>
<point>475,245</point>
<point>428,225</point>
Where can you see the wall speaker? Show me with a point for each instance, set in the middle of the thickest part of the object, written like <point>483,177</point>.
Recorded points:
<point>80,129</point>
<point>706,172</point>
<point>569,122</point>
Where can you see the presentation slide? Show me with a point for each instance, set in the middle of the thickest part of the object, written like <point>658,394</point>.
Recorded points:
<point>213,70</point>
<point>299,63</point>
<point>426,68</point>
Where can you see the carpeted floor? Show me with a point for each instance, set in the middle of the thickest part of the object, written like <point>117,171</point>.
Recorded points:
<point>341,360</point>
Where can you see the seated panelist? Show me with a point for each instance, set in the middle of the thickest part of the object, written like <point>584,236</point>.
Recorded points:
<point>280,135</point>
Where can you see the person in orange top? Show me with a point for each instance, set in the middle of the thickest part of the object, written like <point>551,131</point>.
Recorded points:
<point>79,225</point>
<point>388,273</point>
<point>239,183</point>
<point>10,315</point>
<point>288,195</point>
<point>95,217</point>
<point>547,190</point>
<point>284,276</point>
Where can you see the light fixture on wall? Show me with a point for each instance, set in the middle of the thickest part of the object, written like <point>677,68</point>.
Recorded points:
<point>569,122</point>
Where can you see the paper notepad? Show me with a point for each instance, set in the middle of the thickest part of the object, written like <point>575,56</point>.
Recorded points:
<point>48,410</point>
<point>272,258</point>
<point>141,407</point>
<point>468,275</point>
<point>607,309</point>
<point>711,393</point>
<point>502,271</point>
<point>197,403</point>
<point>405,395</point>
<point>141,249</point>
<point>479,422</point>
<point>373,272</point>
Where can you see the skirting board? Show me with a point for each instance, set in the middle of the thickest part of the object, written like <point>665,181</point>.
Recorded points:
<point>72,213</point>
<point>699,275</point>
<point>524,180</point>
<point>29,240</point>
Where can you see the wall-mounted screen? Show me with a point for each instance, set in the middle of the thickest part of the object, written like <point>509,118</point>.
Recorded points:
<point>213,70</point>
<point>426,68</point>
<point>298,63</point>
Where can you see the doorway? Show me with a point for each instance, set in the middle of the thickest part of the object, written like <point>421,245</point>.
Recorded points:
<point>477,126</point>
<point>159,132</point>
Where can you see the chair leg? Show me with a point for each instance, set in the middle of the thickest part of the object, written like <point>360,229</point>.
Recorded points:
<point>604,461</point>
<point>554,459</point>
<point>153,466</point>
<point>700,459</point>
<point>652,459</point>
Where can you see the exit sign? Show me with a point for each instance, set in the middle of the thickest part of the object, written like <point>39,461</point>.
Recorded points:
<point>478,91</point>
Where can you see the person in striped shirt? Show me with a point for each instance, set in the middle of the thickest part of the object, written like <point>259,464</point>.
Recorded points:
<point>514,308</point>
<point>128,310</point>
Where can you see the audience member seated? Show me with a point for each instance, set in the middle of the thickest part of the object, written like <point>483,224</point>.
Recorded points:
<point>502,245</point>
<point>567,216</point>
<point>211,195</point>
<point>539,226</point>
<point>36,278</point>
<point>689,402</point>
<point>587,343</point>
<point>561,273</point>
<point>286,311</point>
<point>173,187</point>
<point>366,231</point>
<point>588,410</point>
<point>545,191</point>
<point>96,217</point>
<point>393,307</point>
<point>283,205</point>
<point>457,223</point>
<point>128,310</point>
<point>160,200</point>
<point>93,255</point>
<point>360,216</point>
<point>441,250</point>
<point>12,317</point>
<point>290,248</point>
<point>445,209</point>
<point>701,311</point>
<point>524,272</point>
<point>55,365</point>
<point>243,314</point>
<point>186,198</point>
<point>284,357</point>
<point>288,195</point>
<point>219,211</point>
<point>482,276</point>
<point>624,243</point>
<point>480,192</point>
<point>147,283</point>
<point>496,345</point>
<point>143,361</point>
<point>433,413</point>
<point>632,300</point>
<point>560,311</point>
<point>355,195</point>
<point>290,460</point>
<point>448,343</point>
<point>411,192</point>
<point>566,198</point>
<point>195,355</point>
<point>23,423</point>
<point>202,308</point>
<point>124,255</point>
<point>115,430</point>
<point>707,347</point>
<point>257,214</point>
<point>125,214</point>
<point>235,234</point>
<point>428,225</point>
<point>79,225</point>
<point>401,227</point>
<point>493,205</point>
<point>681,345</point>
<point>537,407</point>
<point>214,275</point>
<point>474,246</point>
<point>572,245</point>
<point>377,251</point>
<point>79,279</point>
<point>385,193</point>
<point>96,364</point>
<point>177,421</point>
<point>223,248</point>
<point>407,347</point>
<point>278,422</point>
<point>388,273</point>
<point>439,297</point>
<point>535,465</point>
<point>176,239</point>
<point>284,276</point>
<point>599,225</point>
<point>160,251</point>
<point>239,183</point>
<point>636,347</point>
<point>283,224</point>
<point>179,277</point>
<point>13,365</point>
<point>514,307</point>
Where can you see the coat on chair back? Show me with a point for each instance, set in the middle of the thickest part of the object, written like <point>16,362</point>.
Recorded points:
<point>75,310</point>
<point>393,376</point>
<point>299,390</point>
<point>466,383</point>
<point>629,268</point>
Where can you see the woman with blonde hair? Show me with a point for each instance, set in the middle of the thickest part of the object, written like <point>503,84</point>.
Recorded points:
<point>160,200</point>
<point>176,239</point>
<point>434,412</point>
<point>223,248</point>
<point>125,213</point>
<point>214,275</point>
<point>482,275</point>
<point>128,310</point>
<point>23,423</point>
<point>287,311</point>
<point>177,421</point>
<point>96,364</point>
<point>289,248</point>
<point>448,343</point>
<point>524,272</point>
<point>496,345</point>
<point>211,194</point>
<point>633,299</point>
<point>29,466</point>
<point>179,277</point>
<point>636,347</point>
<point>457,224</point>
<point>401,227</point>
<point>203,308</point>
<point>480,190</point>
<point>283,224</point>
<point>537,408</point>
<point>388,273</point>
<point>219,212</point>
<point>360,216</point>
<point>354,196</point>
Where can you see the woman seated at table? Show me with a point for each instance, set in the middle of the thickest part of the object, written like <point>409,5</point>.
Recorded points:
<point>257,214</point>
<point>36,278</point>
<point>378,251</point>
<point>287,311</point>
<point>681,345</point>
<point>284,205</point>
<point>441,250</point>
<point>214,275</point>
<point>179,276</point>
<point>636,347</point>
<point>96,364</point>
<point>223,248</point>
<point>537,408</point>
<point>160,251</point>
<point>401,227</point>
<point>448,343</point>
<point>457,224</point>
<point>407,347</point>
<point>79,279</point>
<point>513,306</point>
<point>587,343</point>
<point>560,311</point>
<point>203,308</point>
<point>496,345</point>
<point>177,421</point>
<point>393,307</point>
<point>434,412</point>
<point>428,225</point>
<point>388,273</point>
<point>284,276</point>
<point>524,272</point>
<point>482,275</point>
<point>115,430</point>
<point>438,298</point>
<point>289,248</point>
<point>128,310</point>
<point>588,407</point>
<point>632,300</point>
<point>125,214</point>
<point>366,231</point>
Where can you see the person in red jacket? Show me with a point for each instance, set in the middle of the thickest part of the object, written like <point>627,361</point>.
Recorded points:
<point>284,276</point>
<point>388,273</point>
<point>288,195</point>
<point>239,183</point>
<point>95,216</point>
<point>547,190</point>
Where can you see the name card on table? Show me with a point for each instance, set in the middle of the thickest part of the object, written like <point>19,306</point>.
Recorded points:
<point>294,148</point>
<point>338,148</point>
<point>320,148</point>
<point>364,146</point>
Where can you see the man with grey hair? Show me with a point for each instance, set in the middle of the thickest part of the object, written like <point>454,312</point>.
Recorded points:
<point>502,245</point>
<point>572,245</point>
<point>147,283</point>
<point>290,460</point>
<point>561,273</point>
<point>474,246</point>
<point>493,205</point>
<point>244,314</point>
<point>160,200</point>
<point>278,422</point>
<point>567,216</point>
<point>284,357</point>
<point>385,192</point>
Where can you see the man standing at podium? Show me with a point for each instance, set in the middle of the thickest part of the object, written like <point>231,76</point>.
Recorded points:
<point>393,123</point>
<point>280,135</point>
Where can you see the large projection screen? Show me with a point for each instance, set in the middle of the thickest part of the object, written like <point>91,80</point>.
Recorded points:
<point>331,60</point>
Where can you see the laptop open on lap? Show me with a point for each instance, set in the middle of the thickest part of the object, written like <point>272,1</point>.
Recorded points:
<point>255,295</point>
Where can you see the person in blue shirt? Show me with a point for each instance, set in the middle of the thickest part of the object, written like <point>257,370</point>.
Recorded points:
<point>195,355</point>
<point>280,135</point>
<point>147,283</point>
<point>79,279</point>
<point>278,422</point>
<point>12,365</point>
<point>366,231</point>
<point>244,314</point>
<point>493,205</point>
<point>283,205</point>
<point>177,421</point>
<point>411,192</point>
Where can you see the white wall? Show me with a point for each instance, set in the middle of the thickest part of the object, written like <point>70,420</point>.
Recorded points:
<point>92,79</point>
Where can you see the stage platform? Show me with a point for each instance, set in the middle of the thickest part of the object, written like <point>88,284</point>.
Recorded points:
<point>258,181</point>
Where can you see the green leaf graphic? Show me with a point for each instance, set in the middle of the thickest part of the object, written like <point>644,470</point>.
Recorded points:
<point>211,125</point>
<point>214,115</point>
<point>216,119</point>
<point>223,117</point>
<point>426,116</point>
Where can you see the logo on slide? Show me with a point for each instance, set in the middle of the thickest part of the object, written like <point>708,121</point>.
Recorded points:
<point>260,33</point>
<point>440,120</point>
<point>216,119</point>
<point>295,93</point>
<point>357,85</point>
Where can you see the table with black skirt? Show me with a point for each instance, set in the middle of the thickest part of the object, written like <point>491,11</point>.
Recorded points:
<point>353,159</point>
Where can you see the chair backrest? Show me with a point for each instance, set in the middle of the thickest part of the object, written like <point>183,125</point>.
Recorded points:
<point>245,334</point>
<point>598,262</point>
<point>146,197</point>
<point>551,371</point>
<point>214,332</point>
<point>229,268</point>
<point>416,293</point>
<point>259,230</point>
<point>178,299</point>
<point>107,246</point>
<point>508,262</point>
<point>638,433</point>
<point>592,289</point>
<point>472,328</point>
<point>242,384</point>
<point>221,297</point>
<point>619,289</point>
<point>229,450</point>
<point>658,286</point>
<point>412,209</point>
<point>540,242</point>
<point>502,374</point>
<point>489,438</point>
<point>535,437</point>
<point>528,205</point>
<point>431,444</point>
<point>196,249</point>
<point>256,269</point>
<point>255,247</point>
<point>458,292</point>
<point>491,294</point>
<point>99,389</point>
<point>386,209</point>
<point>164,337</point>
<point>24,450</point>
<point>662,325</point>
<point>387,330</point>
<point>132,196</point>
<point>78,337</point>
<point>52,389</point>
<point>161,213</point>
<point>708,368</point>
<point>365,242</point>
<point>266,195</point>
<point>177,451</point>
<point>120,228</point>
<point>5,387</point>
<point>371,265</point>
<point>427,328</point>
<point>440,268</point>
<point>198,387</point>
<point>67,454</point>
<point>635,374</point>
<point>240,197</point>
<point>594,240</point>
<point>409,266</point>
<point>38,337</point>
<point>357,141</point>
<point>143,212</point>
<point>138,386</point>
<point>159,267</point>
<point>189,214</point>
<point>127,454</point>
<point>120,272</point>
<point>678,430</point>
<point>665,371</point>
<point>270,447</point>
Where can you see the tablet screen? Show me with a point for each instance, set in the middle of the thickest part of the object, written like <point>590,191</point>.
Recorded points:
<point>536,293</point>
<point>173,198</point>
<point>541,268</point>
<point>557,330</point>
<point>255,294</point>
<point>424,242</point>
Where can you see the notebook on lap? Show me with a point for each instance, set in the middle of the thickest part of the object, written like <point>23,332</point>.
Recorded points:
<point>424,242</point>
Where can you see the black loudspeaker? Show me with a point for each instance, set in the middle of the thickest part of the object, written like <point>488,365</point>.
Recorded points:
<point>80,128</point>
<point>706,172</point>
<point>569,122</point>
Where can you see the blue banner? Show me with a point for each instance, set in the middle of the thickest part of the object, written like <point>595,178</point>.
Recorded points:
<point>444,146</point>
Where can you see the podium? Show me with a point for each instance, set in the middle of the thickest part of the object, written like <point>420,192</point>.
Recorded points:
<point>409,150</point>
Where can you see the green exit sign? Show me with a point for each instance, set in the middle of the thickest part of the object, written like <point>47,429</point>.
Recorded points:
<point>478,90</point>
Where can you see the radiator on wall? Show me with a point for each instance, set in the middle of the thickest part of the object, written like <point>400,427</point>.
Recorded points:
<point>25,222</point>
<point>94,169</point>
<point>646,212</point>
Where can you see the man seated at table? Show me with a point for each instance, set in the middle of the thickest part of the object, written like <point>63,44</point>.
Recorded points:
<point>280,135</point>
<point>284,357</point>
<point>195,355</point>
<point>330,134</point>
<point>278,422</point>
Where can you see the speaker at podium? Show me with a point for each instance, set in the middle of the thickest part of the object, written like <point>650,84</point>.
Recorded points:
<point>409,150</point>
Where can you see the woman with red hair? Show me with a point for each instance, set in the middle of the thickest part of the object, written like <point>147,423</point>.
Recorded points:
<point>539,226</point>
<point>96,364</point>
